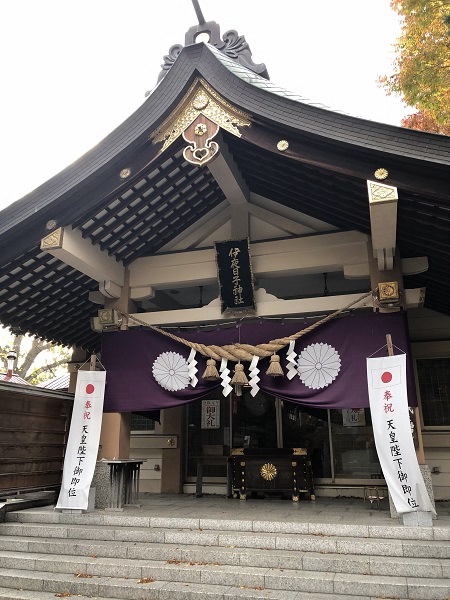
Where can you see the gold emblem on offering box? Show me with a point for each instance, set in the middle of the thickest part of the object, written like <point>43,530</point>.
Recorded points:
<point>268,471</point>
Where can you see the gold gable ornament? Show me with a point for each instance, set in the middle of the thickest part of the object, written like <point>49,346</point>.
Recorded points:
<point>388,293</point>
<point>53,241</point>
<point>201,148</point>
<point>198,118</point>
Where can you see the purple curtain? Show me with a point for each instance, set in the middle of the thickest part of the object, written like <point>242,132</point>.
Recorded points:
<point>131,356</point>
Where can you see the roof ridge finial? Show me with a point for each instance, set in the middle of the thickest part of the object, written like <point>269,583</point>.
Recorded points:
<point>198,12</point>
<point>231,44</point>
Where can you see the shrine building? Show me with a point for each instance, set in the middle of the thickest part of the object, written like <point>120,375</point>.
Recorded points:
<point>233,253</point>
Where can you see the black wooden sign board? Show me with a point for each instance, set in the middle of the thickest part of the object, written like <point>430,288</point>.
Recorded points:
<point>235,277</point>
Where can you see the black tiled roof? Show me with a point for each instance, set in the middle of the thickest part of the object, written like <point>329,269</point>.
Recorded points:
<point>323,174</point>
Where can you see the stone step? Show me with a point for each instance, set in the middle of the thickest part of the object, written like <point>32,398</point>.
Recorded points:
<point>104,518</point>
<point>214,583</point>
<point>177,591</point>
<point>12,548</point>
<point>329,544</point>
<point>21,594</point>
<point>45,554</point>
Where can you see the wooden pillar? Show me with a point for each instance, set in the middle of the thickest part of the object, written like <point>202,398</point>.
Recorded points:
<point>414,417</point>
<point>115,436</point>
<point>376,277</point>
<point>115,433</point>
<point>173,423</point>
<point>79,357</point>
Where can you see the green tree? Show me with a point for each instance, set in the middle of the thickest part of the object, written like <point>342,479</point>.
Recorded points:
<point>37,360</point>
<point>422,66</point>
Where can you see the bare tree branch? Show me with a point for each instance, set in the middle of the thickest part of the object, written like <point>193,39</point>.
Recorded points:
<point>36,348</point>
<point>36,372</point>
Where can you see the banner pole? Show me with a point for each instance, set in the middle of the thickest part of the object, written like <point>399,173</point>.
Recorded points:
<point>414,417</point>
<point>390,347</point>
<point>390,352</point>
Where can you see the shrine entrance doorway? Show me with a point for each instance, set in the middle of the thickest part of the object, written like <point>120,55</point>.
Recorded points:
<point>339,442</point>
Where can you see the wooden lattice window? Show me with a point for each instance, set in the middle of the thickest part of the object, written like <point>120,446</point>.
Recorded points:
<point>434,385</point>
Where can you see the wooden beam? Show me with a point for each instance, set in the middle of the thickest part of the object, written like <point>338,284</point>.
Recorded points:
<point>195,235</point>
<point>383,222</point>
<point>79,253</point>
<point>225,172</point>
<point>311,254</point>
<point>266,304</point>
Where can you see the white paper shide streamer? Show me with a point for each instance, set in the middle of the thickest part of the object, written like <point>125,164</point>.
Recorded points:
<point>254,376</point>
<point>192,368</point>
<point>292,361</point>
<point>225,377</point>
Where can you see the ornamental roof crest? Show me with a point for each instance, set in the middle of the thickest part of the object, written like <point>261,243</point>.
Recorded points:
<point>201,99</point>
<point>231,44</point>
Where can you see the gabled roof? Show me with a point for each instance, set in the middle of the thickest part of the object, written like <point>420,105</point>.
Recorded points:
<point>58,383</point>
<point>13,379</point>
<point>323,174</point>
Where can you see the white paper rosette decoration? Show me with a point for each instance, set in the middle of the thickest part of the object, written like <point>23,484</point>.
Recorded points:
<point>318,365</point>
<point>171,371</point>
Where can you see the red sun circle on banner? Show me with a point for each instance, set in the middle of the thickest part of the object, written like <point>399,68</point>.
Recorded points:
<point>386,377</point>
<point>89,388</point>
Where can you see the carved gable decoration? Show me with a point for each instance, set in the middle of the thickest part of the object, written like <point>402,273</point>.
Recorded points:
<point>198,119</point>
<point>199,134</point>
<point>231,44</point>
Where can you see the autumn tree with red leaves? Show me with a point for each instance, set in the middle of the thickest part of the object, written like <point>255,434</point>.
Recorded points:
<point>424,121</point>
<point>422,66</point>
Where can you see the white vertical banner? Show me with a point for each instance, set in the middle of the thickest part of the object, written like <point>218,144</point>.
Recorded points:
<point>84,437</point>
<point>386,379</point>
